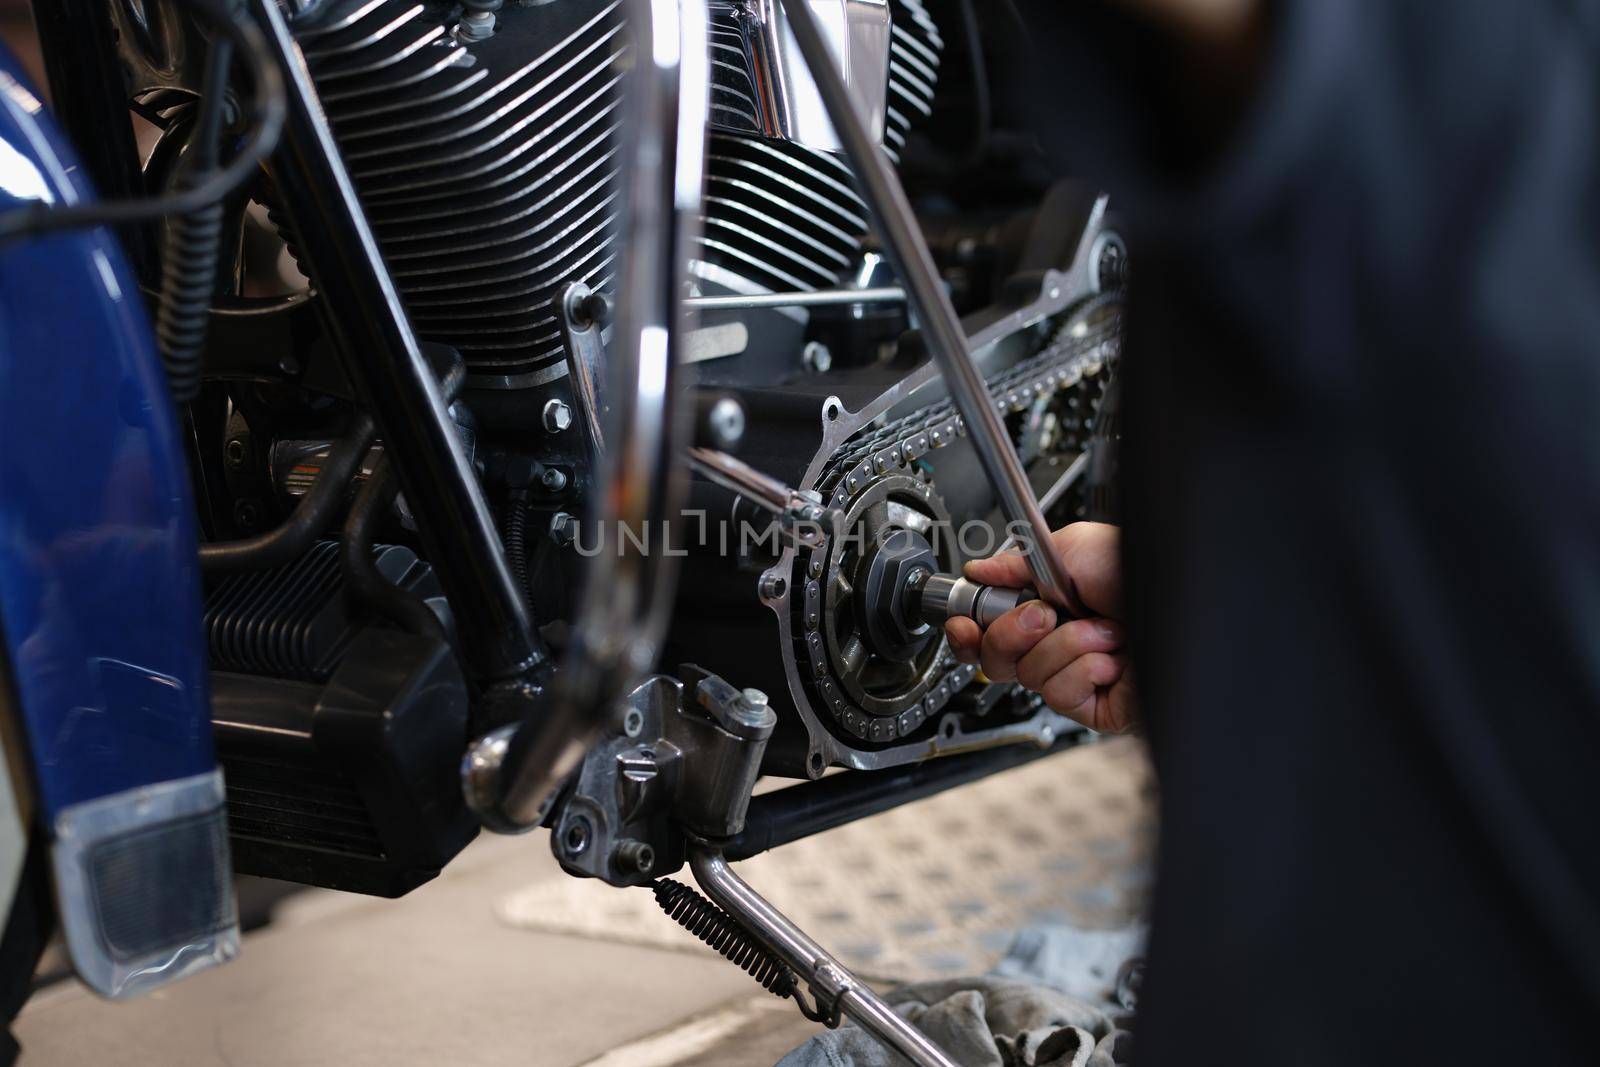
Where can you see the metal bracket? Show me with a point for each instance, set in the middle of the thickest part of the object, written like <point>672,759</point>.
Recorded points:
<point>678,755</point>
<point>584,316</point>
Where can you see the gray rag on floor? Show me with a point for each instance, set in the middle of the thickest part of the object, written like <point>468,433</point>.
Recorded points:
<point>1052,1002</point>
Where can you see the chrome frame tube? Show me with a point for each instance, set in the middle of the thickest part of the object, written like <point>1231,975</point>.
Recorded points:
<point>830,982</point>
<point>737,476</point>
<point>903,240</point>
<point>627,591</point>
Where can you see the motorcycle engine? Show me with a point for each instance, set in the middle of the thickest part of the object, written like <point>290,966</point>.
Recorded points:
<point>483,141</point>
<point>486,162</point>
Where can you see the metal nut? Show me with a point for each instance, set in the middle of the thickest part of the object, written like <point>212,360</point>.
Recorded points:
<point>576,836</point>
<point>557,416</point>
<point>475,26</point>
<point>563,528</point>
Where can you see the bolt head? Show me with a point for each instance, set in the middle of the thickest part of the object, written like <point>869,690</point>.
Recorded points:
<point>563,528</point>
<point>594,310</point>
<point>816,357</point>
<point>553,479</point>
<point>728,421</point>
<point>557,416</point>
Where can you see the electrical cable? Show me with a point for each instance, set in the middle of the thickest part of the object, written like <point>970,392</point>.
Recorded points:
<point>269,107</point>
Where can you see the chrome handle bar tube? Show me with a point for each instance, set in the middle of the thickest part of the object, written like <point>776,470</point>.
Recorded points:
<point>627,589</point>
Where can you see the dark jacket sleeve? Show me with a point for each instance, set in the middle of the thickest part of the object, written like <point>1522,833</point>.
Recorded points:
<point>1363,456</point>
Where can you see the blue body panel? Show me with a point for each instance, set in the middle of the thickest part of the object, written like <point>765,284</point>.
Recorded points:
<point>99,580</point>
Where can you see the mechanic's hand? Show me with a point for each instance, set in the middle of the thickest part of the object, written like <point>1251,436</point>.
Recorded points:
<point>1079,668</point>
<point>1211,23</point>
<point>1222,48</point>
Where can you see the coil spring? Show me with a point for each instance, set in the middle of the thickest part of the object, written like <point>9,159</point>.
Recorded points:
<point>515,536</point>
<point>723,933</point>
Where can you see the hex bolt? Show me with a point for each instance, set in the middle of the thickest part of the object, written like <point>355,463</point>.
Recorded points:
<point>557,416</point>
<point>553,479</point>
<point>633,857</point>
<point>773,586</point>
<point>816,358</point>
<point>563,528</point>
<point>475,26</point>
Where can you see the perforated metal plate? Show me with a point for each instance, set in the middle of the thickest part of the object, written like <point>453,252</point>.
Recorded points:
<point>933,889</point>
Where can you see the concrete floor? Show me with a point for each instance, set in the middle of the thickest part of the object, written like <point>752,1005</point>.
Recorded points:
<point>453,974</point>
<point>432,978</point>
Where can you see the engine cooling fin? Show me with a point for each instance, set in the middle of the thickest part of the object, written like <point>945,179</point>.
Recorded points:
<point>780,216</point>
<point>295,621</point>
<point>486,169</point>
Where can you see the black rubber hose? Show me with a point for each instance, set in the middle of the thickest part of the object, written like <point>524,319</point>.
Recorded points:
<point>361,574</point>
<point>194,240</point>
<point>290,539</point>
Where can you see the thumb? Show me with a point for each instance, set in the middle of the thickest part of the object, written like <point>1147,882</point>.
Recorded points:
<point>1008,569</point>
<point>1089,550</point>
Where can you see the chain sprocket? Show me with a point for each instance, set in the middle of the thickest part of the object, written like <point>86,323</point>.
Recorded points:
<point>1064,380</point>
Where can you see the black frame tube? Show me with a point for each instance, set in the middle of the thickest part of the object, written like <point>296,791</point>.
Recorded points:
<point>787,815</point>
<point>382,357</point>
<point>78,41</point>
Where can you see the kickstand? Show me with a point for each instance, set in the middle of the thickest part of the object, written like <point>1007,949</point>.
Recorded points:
<point>835,990</point>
